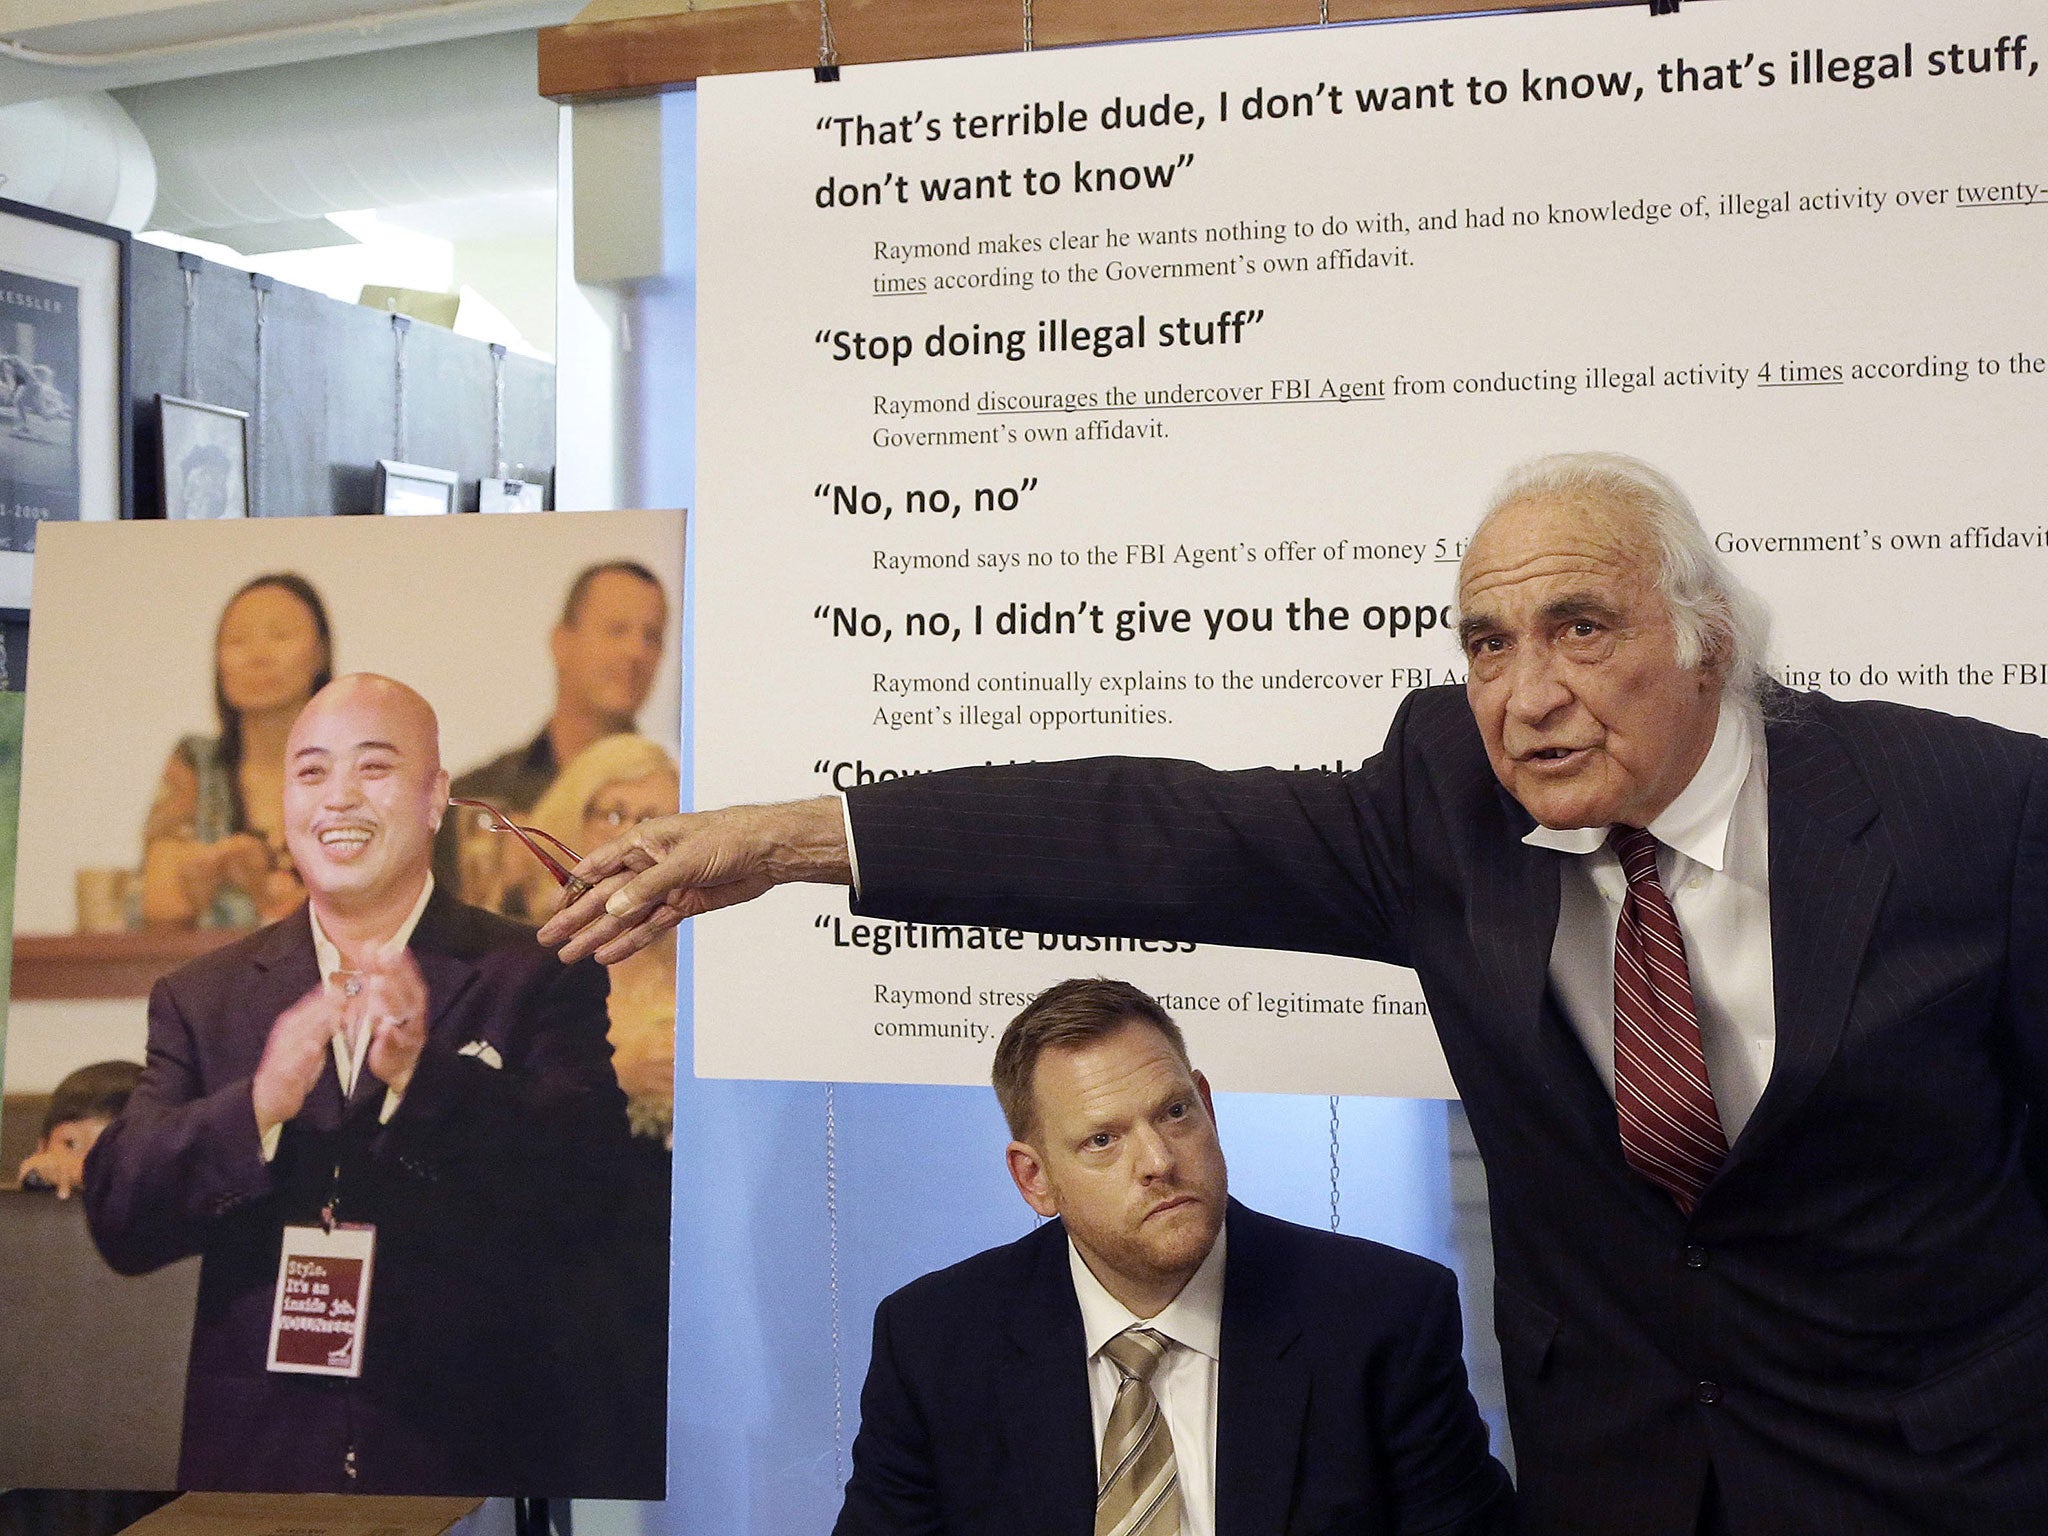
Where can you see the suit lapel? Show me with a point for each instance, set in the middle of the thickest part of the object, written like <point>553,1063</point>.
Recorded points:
<point>1047,1421</point>
<point>1513,924</point>
<point>443,946</point>
<point>285,971</point>
<point>1829,875</point>
<point>1262,1388</point>
<point>1514,920</point>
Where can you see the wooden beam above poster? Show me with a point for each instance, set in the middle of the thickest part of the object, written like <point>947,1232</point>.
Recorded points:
<point>635,47</point>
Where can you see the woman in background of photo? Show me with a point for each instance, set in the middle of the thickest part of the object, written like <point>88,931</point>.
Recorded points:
<point>213,847</point>
<point>608,788</point>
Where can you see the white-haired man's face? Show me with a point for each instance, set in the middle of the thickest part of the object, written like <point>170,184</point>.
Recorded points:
<point>1587,716</point>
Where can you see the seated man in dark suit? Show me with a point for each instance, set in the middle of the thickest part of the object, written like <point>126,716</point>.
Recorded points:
<point>390,1059</point>
<point>1158,1360</point>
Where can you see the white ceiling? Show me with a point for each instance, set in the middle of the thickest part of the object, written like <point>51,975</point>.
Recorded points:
<point>57,47</point>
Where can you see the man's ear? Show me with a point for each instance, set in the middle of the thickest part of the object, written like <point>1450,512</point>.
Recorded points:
<point>558,645</point>
<point>1208,1099</point>
<point>440,805</point>
<point>1027,1172</point>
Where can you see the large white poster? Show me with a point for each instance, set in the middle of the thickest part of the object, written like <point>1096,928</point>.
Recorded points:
<point>1137,400</point>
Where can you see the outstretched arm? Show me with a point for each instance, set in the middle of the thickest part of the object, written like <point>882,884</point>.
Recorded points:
<point>639,886</point>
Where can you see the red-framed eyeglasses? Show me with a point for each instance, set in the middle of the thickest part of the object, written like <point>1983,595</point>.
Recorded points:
<point>495,820</point>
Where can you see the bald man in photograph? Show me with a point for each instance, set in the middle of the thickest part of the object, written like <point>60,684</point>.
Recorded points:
<point>1744,990</point>
<point>389,1057</point>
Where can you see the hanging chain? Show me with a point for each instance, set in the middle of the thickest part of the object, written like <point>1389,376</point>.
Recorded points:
<point>1333,1162</point>
<point>262,286</point>
<point>401,326</point>
<point>498,409</point>
<point>1027,26</point>
<point>828,44</point>
<point>190,382</point>
<point>832,1270</point>
<point>1322,13</point>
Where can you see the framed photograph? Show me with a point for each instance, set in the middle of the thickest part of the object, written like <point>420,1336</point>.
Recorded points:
<point>205,460</point>
<point>510,496</point>
<point>414,490</point>
<point>65,447</point>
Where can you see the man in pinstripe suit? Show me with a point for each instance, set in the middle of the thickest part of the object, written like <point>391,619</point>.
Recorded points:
<point>1840,1324</point>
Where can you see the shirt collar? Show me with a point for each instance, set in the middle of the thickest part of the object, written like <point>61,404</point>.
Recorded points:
<point>1193,1319</point>
<point>329,957</point>
<point>1696,823</point>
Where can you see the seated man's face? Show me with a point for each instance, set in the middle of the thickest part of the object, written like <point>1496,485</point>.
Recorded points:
<point>364,792</point>
<point>1125,1144</point>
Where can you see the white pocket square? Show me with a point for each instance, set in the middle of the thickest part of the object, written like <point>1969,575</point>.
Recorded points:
<point>484,1052</point>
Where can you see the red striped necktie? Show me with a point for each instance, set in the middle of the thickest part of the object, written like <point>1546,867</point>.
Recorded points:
<point>1670,1133</point>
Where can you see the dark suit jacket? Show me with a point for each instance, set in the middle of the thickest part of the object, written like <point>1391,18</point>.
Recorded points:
<point>1852,1329</point>
<point>480,1187</point>
<point>1341,1399</point>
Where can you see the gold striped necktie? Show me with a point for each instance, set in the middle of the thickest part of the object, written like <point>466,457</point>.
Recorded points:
<point>1138,1493</point>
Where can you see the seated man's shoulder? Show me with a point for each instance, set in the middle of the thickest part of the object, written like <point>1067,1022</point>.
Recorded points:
<point>1322,1268</point>
<point>967,1289</point>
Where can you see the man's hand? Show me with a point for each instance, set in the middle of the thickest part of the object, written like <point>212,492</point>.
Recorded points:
<point>639,886</point>
<point>394,1007</point>
<point>294,1056</point>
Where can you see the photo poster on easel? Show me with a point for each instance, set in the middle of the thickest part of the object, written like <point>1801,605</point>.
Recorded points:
<point>11,712</point>
<point>179,820</point>
<point>1138,400</point>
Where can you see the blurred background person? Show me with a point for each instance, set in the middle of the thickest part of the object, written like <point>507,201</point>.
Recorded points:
<point>84,1104</point>
<point>606,790</point>
<point>213,845</point>
<point>606,648</point>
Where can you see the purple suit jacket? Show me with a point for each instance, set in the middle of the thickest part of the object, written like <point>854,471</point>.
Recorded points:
<point>482,1187</point>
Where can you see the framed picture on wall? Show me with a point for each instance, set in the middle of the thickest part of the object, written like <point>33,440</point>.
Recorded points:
<point>414,490</point>
<point>65,449</point>
<point>510,496</point>
<point>205,459</point>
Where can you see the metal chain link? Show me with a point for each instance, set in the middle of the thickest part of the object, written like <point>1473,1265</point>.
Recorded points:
<point>1028,41</point>
<point>1322,13</point>
<point>1333,1162</point>
<point>498,409</point>
<point>832,1270</point>
<point>828,43</point>
<point>256,415</point>
<point>400,327</point>
<point>190,382</point>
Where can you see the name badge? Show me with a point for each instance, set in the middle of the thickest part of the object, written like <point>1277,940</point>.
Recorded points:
<point>322,1313</point>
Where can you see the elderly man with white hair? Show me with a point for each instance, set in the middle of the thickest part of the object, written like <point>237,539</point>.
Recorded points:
<point>1745,991</point>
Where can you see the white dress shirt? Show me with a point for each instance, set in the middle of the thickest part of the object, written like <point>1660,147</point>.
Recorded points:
<point>1715,865</point>
<point>1184,1383</point>
<point>348,1060</point>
